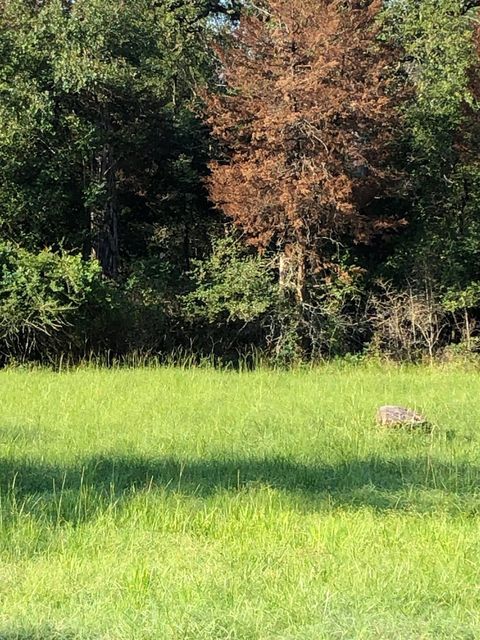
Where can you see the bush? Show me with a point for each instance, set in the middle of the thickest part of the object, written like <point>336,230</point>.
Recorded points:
<point>42,296</point>
<point>239,294</point>
<point>407,325</point>
<point>231,285</point>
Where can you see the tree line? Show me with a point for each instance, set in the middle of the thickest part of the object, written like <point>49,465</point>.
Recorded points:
<point>296,177</point>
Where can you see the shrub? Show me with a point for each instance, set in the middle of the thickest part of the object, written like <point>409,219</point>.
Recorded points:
<point>407,325</point>
<point>41,298</point>
<point>231,285</point>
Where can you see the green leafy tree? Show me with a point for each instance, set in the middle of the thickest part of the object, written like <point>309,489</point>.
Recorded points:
<point>442,241</point>
<point>99,143</point>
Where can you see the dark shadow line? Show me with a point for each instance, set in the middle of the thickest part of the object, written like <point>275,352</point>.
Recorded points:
<point>375,482</point>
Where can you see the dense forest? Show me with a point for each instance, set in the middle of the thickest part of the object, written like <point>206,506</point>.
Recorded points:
<point>297,178</point>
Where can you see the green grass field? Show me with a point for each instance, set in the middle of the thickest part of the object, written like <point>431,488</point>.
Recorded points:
<point>207,505</point>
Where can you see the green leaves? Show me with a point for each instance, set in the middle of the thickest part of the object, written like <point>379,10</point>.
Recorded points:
<point>77,79</point>
<point>232,284</point>
<point>442,243</point>
<point>439,49</point>
<point>40,293</point>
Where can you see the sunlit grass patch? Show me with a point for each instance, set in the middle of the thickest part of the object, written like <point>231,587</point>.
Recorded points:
<point>200,504</point>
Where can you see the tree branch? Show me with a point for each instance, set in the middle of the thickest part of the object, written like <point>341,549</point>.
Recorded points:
<point>467,5</point>
<point>230,9</point>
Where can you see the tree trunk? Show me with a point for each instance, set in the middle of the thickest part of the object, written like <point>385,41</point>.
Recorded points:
<point>104,214</point>
<point>186,246</point>
<point>291,268</point>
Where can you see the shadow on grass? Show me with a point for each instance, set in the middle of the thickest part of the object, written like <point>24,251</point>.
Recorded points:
<point>418,483</point>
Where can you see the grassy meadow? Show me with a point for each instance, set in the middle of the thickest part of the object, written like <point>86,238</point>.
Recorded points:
<point>199,504</point>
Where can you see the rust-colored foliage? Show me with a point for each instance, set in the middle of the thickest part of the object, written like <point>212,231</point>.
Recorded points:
<point>306,122</point>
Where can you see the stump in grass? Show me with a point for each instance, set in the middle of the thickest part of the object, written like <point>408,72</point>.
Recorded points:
<point>393,416</point>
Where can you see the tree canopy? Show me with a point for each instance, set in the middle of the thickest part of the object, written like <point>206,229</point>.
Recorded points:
<point>151,148</point>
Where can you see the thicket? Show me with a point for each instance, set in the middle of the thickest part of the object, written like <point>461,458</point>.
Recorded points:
<point>295,177</point>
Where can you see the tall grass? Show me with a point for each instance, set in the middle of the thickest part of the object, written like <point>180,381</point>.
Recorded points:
<point>199,504</point>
